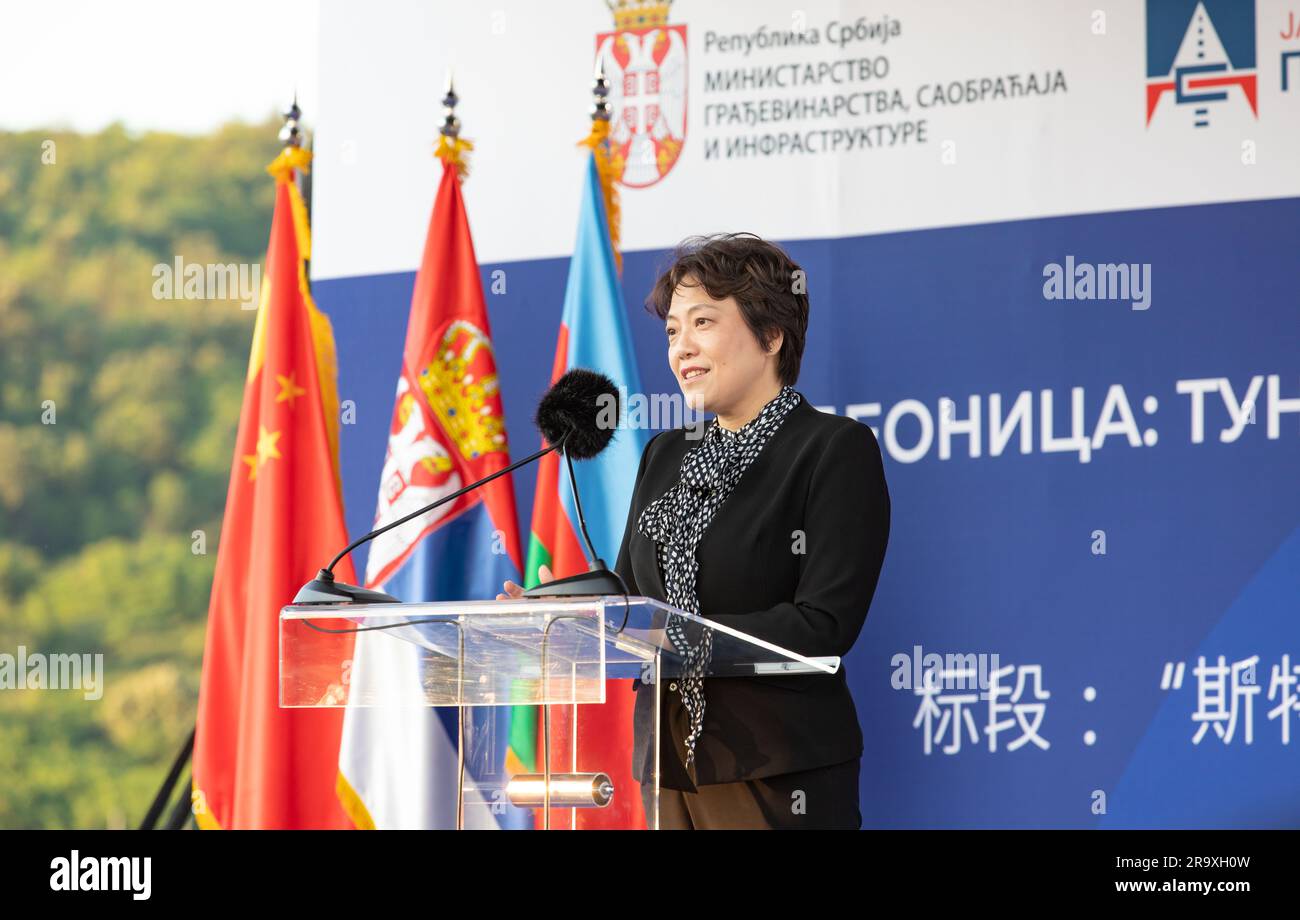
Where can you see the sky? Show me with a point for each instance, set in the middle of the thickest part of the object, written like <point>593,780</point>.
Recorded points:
<point>184,65</point>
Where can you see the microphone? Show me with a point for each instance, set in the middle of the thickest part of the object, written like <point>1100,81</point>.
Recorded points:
<point>566,414</point>
<point>569,418</point>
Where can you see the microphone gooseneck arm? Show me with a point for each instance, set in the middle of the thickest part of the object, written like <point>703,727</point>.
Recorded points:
<point>596,562</point>
<point>329,569</point>
<point>563,418</point>
<point>598,579</point>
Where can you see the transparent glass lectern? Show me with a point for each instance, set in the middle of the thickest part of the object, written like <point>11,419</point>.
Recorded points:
<point>544,652</point>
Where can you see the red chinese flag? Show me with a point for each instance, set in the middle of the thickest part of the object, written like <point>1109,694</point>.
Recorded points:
<point>257,765</point>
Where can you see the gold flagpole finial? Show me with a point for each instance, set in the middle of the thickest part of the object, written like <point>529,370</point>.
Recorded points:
<point>452,148</point>
<point>292,155</point>
<point>599,142</point>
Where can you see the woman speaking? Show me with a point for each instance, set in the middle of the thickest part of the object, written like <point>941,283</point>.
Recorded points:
<point>775,523</point>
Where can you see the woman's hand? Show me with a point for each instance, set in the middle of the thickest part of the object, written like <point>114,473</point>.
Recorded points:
<point>513,590</point>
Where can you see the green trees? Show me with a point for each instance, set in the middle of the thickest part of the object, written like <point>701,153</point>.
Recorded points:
<point>117,422</point>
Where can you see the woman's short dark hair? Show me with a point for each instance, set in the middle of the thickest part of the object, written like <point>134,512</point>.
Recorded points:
<point>770,288</point>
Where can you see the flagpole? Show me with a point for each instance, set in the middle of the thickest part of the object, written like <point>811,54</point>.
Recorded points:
<point>292,136</point>
<point>450,132</point>
<point>169,784</point>
<point>600,112</point>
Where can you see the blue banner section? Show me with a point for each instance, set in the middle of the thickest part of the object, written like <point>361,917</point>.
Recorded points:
<point>1091,426</point>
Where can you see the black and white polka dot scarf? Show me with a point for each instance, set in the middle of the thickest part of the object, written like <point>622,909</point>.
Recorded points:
<point>677,520</point>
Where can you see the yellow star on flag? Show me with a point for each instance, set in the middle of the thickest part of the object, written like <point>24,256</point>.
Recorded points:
<point>289,389</point>
<point>266,450</point>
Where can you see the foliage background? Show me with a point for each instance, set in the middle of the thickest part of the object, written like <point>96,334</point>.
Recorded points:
<point>98,510</point>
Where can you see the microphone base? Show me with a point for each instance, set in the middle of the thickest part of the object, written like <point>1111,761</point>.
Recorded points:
<point>323,589</point>
<point>596,582</point>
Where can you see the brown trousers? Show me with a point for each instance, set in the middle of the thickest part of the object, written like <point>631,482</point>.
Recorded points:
<point>824,798</point>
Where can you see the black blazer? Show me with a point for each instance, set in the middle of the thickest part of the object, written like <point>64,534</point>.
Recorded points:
<point>820,474</point>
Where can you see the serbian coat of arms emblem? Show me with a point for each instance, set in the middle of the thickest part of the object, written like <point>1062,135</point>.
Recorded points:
<point>644,60</point>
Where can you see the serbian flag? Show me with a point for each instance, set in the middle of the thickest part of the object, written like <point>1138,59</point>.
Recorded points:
<point>257,765</point>
<point>593,334</point>
<point>397,767</point>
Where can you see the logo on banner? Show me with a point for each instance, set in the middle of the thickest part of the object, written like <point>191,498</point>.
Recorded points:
<point>644,60</point>
<point>1201,53</point>
<point>1290,58</point>
<point>446,422</point>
